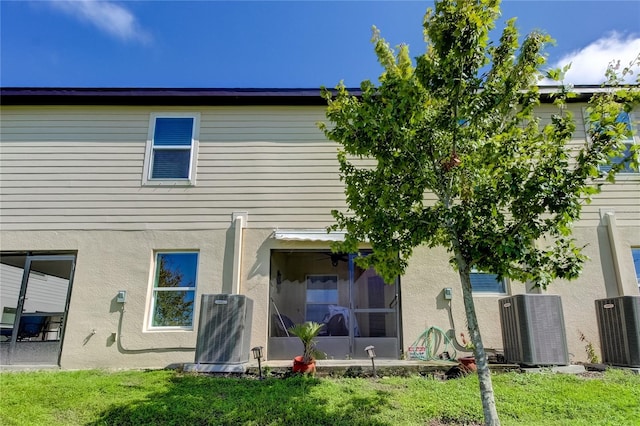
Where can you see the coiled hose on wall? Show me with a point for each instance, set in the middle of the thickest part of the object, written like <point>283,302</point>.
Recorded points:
<point>432,339</point>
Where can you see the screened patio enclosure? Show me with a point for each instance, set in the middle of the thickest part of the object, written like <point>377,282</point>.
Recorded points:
<point>355,306</point>
<point>34,300</point>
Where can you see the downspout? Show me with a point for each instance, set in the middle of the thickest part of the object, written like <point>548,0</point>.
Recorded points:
<point>239,222</point>
<point>616,251</point>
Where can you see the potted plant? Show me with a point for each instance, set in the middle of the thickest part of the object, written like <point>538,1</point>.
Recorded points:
<point>469,362</point>
<point>306,332</point>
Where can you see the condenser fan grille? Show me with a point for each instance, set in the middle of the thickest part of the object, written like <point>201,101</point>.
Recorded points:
<point>533,331</point>
<point>619,328</point>
<point>224,330</point>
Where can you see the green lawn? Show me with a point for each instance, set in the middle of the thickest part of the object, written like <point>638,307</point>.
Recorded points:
<point>171,398</point>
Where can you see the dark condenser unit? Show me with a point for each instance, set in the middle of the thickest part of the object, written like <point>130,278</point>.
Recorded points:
<point>619,327</point>
<point>224,332</point>
<point>533,331</point>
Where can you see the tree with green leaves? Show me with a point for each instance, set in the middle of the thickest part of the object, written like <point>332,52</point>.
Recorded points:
<point>460,123</point>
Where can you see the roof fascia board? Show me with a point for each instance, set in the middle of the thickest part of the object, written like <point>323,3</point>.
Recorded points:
<point>203,96</point>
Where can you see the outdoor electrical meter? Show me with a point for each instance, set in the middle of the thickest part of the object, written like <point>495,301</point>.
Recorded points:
<point>448,293</point>
<point>121,297</point>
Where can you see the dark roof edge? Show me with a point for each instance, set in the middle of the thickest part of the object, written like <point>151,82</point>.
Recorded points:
<point>194,96</point>
<point>158,96</point>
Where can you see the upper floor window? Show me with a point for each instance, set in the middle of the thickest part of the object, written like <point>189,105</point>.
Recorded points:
<point>482,282</point>
<point>623,117</point>
<point>172,149</point>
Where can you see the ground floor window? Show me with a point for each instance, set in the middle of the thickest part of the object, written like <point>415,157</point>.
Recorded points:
<point>482,282</point>
<point>635,252</point>
<point>322,292</point>
<point>174,289</point>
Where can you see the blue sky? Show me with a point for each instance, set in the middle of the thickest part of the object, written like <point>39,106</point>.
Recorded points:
<point>294,44</point>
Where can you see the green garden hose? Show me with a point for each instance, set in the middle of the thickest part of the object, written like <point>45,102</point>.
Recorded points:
<point>432,339</point>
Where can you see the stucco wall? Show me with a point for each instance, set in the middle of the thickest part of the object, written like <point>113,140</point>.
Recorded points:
<point>109,261</point>
<point>423,304</point>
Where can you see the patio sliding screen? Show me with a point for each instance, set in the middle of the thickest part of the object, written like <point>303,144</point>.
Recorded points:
<point>355,306</point>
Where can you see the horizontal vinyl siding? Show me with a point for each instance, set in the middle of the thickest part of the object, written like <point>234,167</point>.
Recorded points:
<point>623,197</point>
<point>81,168</point>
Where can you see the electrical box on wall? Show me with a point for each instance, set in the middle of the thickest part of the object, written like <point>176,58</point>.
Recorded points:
<point>448,293</point>
<point>121,297</point>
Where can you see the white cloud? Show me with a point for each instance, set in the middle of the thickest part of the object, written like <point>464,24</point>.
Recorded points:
<point>106,15</point>
<point>588,65</point>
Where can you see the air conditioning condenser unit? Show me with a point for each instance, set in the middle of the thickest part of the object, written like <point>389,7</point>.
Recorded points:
<point>619,328</point>
<point>224,332</point>
<point>533,330</point>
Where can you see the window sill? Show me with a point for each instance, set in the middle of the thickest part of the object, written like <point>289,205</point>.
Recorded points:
<point>168,329</point>
<point>488,294</point>
<point>160,183</point>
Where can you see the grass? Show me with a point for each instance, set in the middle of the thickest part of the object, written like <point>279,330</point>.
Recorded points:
<point>165,397</point>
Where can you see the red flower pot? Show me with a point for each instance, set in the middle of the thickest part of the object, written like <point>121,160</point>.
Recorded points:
<point>299,366</point>
<point>468,362</point>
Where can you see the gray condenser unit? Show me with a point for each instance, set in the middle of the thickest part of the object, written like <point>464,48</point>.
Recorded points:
<point>619,327</point>
<point>533,331</point>
<point>224,332</point>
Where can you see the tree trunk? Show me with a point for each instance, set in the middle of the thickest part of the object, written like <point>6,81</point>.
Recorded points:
<point>484,375</point>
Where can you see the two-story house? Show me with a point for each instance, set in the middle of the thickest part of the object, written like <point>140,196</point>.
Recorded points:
<point>120,208</point>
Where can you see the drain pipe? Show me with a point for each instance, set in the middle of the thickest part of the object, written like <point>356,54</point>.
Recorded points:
<point>122,347</point>
<point>239,223</point>
<point>616,252</point>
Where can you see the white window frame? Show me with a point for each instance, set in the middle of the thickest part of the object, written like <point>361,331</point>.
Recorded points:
<point>153,290</point>
<point>505,285</point>
<point>149,151</point>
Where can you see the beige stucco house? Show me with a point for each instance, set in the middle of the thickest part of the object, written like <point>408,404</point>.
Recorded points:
<point>120,208</point>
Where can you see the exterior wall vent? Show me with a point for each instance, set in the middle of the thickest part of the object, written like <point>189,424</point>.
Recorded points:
<point>224,332</point>
<point>619,328</point>
<point>533,331</point>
